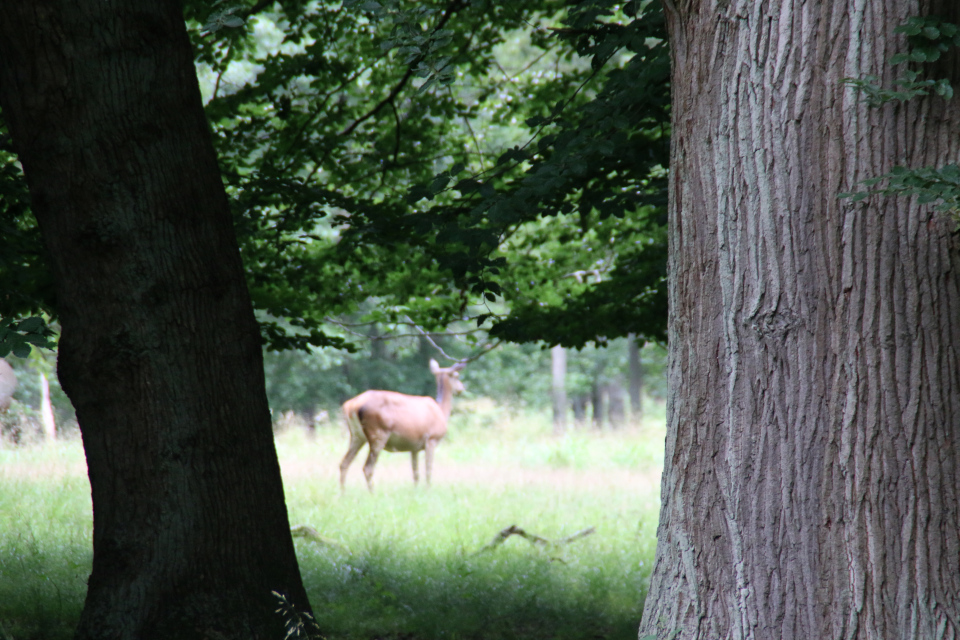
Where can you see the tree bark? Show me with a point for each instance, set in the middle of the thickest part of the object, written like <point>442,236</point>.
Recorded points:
<point>811,486</point>
<point>46,410</point>
<point>159,351</point>
<point>596,400</point>
<point>636,379</point>
<point>579,405</point>
<point>558,362</point>
<point>616,407</point>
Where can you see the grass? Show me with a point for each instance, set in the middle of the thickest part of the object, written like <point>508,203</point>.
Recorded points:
<point>406,562</point>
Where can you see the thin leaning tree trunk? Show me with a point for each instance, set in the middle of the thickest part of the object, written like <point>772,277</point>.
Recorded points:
<point>811,485</point>
<point>160,352</point>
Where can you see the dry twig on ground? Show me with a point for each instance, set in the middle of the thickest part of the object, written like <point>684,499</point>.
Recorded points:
<point>540,542</point>
<point>311,534</point>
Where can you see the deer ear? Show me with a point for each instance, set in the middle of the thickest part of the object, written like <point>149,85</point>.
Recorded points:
<point>434,367</point>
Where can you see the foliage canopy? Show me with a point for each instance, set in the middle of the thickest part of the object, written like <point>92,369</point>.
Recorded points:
<point>497,163</point>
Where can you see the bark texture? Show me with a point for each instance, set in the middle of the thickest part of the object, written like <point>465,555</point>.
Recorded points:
<point>159,352</point>
<point>636,379</point>
<point>812,477</point>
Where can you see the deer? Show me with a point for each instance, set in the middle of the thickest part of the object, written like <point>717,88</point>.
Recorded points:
<point>392,421</point>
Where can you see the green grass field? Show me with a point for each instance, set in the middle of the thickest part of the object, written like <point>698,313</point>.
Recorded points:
<point>402,562</point>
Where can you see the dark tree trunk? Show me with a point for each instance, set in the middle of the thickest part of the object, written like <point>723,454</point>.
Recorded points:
<point>159,351</point>
<point>558,361</point>
<point>812,476</point>
<point>616,405</point>
<point>636,379</point>
<point>579,406</point>
<point>596,399</point>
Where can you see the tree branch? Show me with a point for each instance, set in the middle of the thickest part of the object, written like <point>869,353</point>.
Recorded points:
<point>452,8</point>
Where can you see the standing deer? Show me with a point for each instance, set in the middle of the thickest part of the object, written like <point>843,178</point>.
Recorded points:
<point>398,422</point>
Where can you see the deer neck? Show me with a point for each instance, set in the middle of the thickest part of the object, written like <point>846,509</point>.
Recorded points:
<point>444,395</point>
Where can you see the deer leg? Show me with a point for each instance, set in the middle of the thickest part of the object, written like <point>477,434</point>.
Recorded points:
<point>355,445</point>
<point>376,446</point>
<point>416,470</point>
<point>430,448</point>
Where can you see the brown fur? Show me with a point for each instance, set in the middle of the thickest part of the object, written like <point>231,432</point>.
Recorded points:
<point>391,421</point>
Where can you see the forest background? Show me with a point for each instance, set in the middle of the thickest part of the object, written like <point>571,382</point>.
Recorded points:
<point>426,182</point>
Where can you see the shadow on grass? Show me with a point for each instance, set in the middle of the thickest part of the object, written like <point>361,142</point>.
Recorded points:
<point>41,590</point>
<point>375,594</point>
<point>499,595</point>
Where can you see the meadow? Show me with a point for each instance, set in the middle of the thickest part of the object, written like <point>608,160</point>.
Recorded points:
<point>402,562</point>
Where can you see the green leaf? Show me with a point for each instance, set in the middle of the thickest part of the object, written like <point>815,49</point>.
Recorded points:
<point>439,184</point>
<point>33,324</point>
<point>425,86</point>
<point>21,350</point>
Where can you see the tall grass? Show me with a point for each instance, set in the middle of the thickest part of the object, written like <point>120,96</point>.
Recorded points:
<point>402,562</point>
<point>45,540</point>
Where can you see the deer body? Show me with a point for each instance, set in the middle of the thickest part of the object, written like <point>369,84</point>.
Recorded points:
<point>391,421</point>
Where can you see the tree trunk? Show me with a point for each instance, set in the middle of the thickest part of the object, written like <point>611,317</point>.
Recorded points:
<point>378,347</point>
<point>616,407</point>
<point>46,410</point>
<point>812,477</point>
<point>579,406</point>
<point>636,379</point>
<point>159,352</point>
<point>558,361</point>
<point>596,399</point>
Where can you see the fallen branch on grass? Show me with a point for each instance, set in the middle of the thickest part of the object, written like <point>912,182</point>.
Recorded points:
<point>538,541</point>
<point>311,534</point>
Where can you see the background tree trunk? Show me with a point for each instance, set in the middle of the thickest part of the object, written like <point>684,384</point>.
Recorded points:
<point>616,406</point>
<point>636,379</point>
<point>596,400</point>
<point>812,479</point>
<point>579,406</point>
<point>558,361</point>
<point>46,410</point>
<point>159,352</point>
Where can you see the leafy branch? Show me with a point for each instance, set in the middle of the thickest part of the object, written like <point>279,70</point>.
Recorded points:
<point>929,184</point>
<point>19,336</point>
<point>929,38</point>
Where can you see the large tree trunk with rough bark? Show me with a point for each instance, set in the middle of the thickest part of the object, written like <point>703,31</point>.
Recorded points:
<point>160,352</point>
<point>811,485</point>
